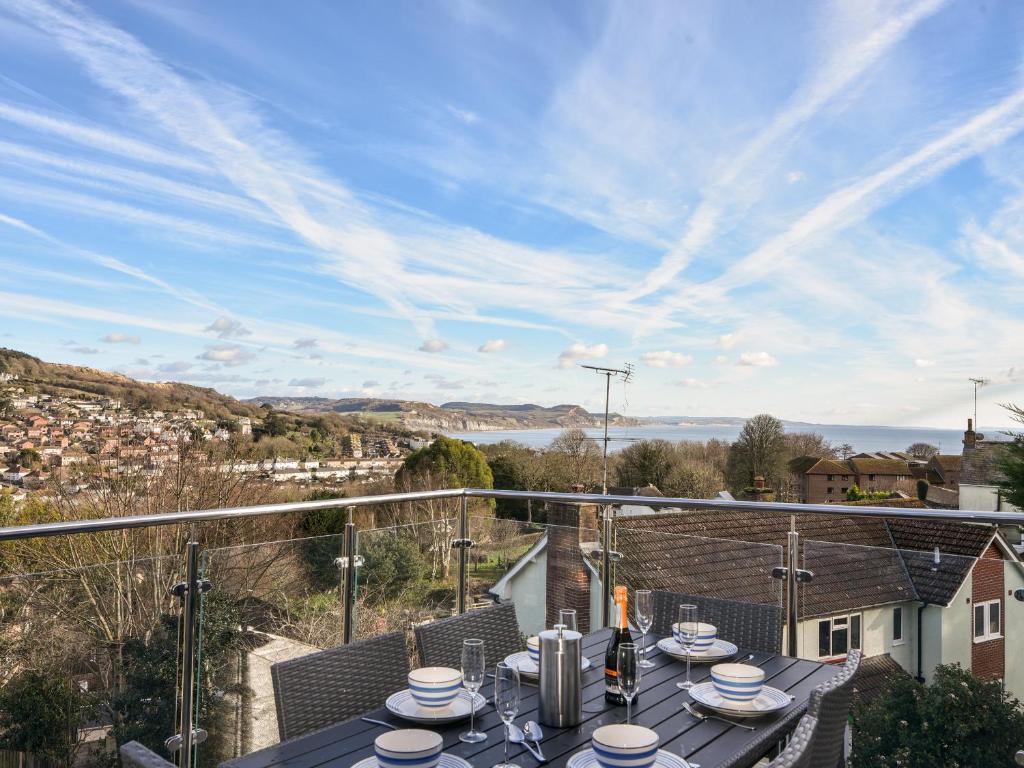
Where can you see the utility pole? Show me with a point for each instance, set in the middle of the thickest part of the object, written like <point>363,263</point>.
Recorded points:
<point>626,374</point>
<point>978,384</point>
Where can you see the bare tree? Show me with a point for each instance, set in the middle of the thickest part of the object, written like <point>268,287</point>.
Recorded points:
<point>922,450</point>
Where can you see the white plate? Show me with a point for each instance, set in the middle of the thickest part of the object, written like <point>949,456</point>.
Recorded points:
<point>587,759</point>
<point>447,761</point>
<point>405,706</point>
<point>721,649</point>
<point>768,701</point>
<point>528,667</point>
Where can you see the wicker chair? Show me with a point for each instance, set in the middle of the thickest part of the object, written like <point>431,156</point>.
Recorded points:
<point>830,704</point>
<point>439,643</point>
<point>331,686</point>
<point>797,753</point>
<point>751,626</point>
<point>134,755</point>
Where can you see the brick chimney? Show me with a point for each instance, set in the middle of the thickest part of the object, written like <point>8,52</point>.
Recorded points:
<point>970,436</point>
<point>759,483</point>
<point>568,580</point>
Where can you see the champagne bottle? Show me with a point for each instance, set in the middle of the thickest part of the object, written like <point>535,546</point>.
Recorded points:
<point>619,636</point>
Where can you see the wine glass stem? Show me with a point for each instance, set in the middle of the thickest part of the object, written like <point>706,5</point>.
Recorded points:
<point>643,648</point>
<point>506,743</point>
<point>629,710</point>
<point>687,666</point>
<point>472,710</point>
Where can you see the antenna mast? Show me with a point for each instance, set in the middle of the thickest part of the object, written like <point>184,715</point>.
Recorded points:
<point>978,384</point>
<point>627,374</point>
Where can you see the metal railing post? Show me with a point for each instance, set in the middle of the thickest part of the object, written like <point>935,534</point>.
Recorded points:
<point>350,577</point>
<point>190,592</point>
<point>792,567</point>
<point>463,552</point>
<point>606,566</point>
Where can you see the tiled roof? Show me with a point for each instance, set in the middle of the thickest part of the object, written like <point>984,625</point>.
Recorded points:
<point>948,461</point>
<point>829,467</point>
<point>880,466</point>
<point>699,552</point>
<point>980,464</point>
<point>874,676</point>
<point>959,544</point>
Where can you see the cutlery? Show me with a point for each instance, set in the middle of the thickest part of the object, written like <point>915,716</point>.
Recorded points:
<point>516,736</point>
<point>535,734</point>
<point>701,716</point>
<point>379,722</point>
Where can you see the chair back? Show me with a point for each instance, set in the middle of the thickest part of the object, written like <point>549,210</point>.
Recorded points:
<point>751,626</point>
<point>797,753</point>
<point>335,685</point>
<point>830,704</point>
<point>439,643</point>
<point>135,755</point>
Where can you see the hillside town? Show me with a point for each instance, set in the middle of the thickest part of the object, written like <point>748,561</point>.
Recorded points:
<point>44,435</point>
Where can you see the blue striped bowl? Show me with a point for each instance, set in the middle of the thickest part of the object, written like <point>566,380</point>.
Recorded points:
<point>737,683</point>
<point>533,646</point>
<point>625,746</point>
<point>706,634</point>
<point>408,748</point>
<point>435,687</point>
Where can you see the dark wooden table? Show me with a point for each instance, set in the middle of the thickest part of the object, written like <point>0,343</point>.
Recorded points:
<point>710,743</point>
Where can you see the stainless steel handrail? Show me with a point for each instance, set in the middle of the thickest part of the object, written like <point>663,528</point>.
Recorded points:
<point>72,527</point>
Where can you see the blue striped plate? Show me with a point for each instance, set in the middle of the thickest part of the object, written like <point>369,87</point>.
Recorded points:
<point>447,761</point>
<point>405,706</point>
<point>528,667</point>
<point>586,758</point>
<point>768,701</point>
<point>719,650</point>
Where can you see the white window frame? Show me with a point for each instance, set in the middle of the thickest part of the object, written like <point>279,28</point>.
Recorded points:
<point>903,630</point>
<point>849,617</point>
<point>986,605</point>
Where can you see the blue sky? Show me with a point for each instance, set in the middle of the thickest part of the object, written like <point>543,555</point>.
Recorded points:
<point>815,210</point>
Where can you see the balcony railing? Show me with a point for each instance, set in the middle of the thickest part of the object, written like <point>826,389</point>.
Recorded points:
<point>294,596</point>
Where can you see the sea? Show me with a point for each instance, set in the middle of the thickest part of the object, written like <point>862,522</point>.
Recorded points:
<point>862,438</point>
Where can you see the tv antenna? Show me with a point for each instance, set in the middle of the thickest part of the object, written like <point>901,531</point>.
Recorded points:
<point>626,373</point>
<point>978,384</point>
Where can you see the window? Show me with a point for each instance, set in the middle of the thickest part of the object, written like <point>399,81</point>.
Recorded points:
<point>897,625</point>
<point>829,490</point>
<point>987,620</point>
<point>871,477</point>
<point>838,635</point>
<point>830,478</point>
<point>844,490</point>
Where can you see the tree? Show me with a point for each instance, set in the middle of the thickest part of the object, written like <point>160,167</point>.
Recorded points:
<point>648,462</point>
<point>456,462</point>
<point>1012,462</point>
<point>392,563</point>
<point>922,450</point>
<point>6,406</point>
<point>573,459</point>
<point>693,479</point>
<point>41,713</point>
<point>515,467</point>
<point>957,720</point>
<point>808,444</point>
<point>29,457</point>
<point>845,450</point>
<point>759,450</point>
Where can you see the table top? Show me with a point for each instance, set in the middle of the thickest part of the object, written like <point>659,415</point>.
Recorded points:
<point>709,743</point>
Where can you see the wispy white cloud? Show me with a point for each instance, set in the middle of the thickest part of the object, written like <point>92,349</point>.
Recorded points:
<point>120,338</point>
<point>579,351</point>
<point>665,359</point>
<point>493,345</point>
<point>227,328</point>
<point>227,354</point>
<point>756,359</point>
<point>923,362</point>
<point>433,346</point>
<point>309,383</point>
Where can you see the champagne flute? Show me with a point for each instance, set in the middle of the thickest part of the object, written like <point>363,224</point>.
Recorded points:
<point>473,668</point>
<point>628,667</point>
<point>506,701</point>
<point>644,619</point>
<point>687,637</point>
<point>567,618</point>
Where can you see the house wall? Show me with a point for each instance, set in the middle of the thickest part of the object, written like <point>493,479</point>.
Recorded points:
<point>932,634</point>
<point>1013,611</point>
<point>987,658</point>
<point>876,635</point>
<point>816,488</point>
<point>983,498</point>
<point>527,590</point>
<point>957,626</point>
